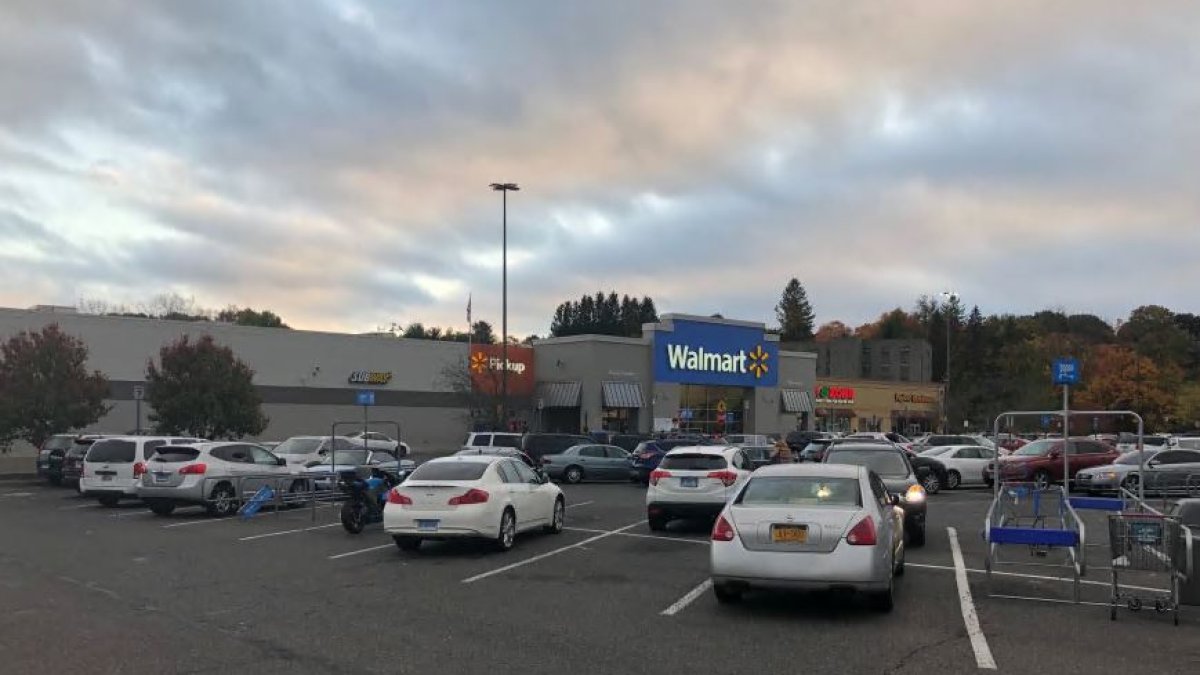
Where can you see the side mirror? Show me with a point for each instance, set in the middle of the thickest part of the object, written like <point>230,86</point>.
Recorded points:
<point>1153,462</point>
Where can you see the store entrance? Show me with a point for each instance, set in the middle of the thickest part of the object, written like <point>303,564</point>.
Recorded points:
<point>713,410</point>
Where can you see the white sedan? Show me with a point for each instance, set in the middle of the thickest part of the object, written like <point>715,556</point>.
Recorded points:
<point>374,440</point>
<point>472,496</point>
<point>964,463</point>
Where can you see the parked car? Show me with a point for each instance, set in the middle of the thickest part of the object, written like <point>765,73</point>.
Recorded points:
<point>815,450</point>
<point>647,455</point>
<point>481,496</point>
<point>1041,462</point>
<point>305,450</point>
<point>798,440</point>
<point>72,463</point>
<point>931,473</point>
<point>625,441</point>
<point>889,436</point>
<point>217,476</point>
<point>759,455</point>
<point>539,445</point>
<point>113,467</point>
<point>501,451</point>
<point>491,439</point>
<point>1127,442</point>
<point>964,463</point>
<point>587,462</point>
<point>1187,443</point>
<point>377,441</point>
<point>813,526</point>
<point>50,458</point>
<point>933,440</point>
<point>1173,470</point>
<point>694,481</point>
<point>747,439</point>
<point>893,467</point>
<point>363,462</point>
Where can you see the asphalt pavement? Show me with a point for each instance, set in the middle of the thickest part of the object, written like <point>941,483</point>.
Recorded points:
<point>87,589</point>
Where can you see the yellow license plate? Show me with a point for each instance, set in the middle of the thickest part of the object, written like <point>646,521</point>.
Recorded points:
<point>789,534</point>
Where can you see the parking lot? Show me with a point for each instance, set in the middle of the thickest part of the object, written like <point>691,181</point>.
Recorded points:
<point>91,589</point>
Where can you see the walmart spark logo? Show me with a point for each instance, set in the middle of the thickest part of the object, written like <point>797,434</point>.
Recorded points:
<point>758,361</point>
<point>479,362</point>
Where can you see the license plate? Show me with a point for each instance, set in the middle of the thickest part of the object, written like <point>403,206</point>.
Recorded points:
<point>428,525</point>
<point>106,478</point>
<point>789,534</point>
<point>689,482</point>
<point>162,477</point>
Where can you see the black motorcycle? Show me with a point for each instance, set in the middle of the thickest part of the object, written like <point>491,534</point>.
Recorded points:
<point>365,498</point>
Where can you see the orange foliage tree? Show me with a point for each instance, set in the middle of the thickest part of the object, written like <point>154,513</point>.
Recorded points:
<point>1116,378</point>
<point>834,330</point>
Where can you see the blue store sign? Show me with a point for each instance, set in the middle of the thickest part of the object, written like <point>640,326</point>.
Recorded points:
<point>719,354</point>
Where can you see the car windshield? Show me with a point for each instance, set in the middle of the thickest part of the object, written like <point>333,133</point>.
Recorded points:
<point>357,457</point>
<point>693,462</point>
<point>801,491</point>
<point>885,462</point>
<point>506,441</point>
<point>449,471</point>
<point>1037,448</point>
<point>298,446</point>
<point>59,443</point>
<point>1134,458</point>
<point>1154,440</point>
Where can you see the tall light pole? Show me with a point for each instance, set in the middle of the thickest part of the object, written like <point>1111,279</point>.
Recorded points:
<point>504,189</point>
<point>950,296</point>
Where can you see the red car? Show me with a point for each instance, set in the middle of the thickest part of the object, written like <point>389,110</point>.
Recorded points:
<point>1041,462</point>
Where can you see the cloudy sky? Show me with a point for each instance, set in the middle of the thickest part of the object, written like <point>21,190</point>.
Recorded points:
<point>331,160</point>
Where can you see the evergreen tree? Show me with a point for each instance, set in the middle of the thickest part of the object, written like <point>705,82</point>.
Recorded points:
<point>795,313</point>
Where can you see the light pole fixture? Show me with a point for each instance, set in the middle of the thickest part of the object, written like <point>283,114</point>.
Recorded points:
<point>949,296</point>
<point>504,189</point>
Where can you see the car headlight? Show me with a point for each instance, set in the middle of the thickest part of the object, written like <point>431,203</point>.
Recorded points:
<point>1107,475</point>
<point>914,495</point>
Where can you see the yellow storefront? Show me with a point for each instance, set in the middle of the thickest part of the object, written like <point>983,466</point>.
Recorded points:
<point>870,405</point>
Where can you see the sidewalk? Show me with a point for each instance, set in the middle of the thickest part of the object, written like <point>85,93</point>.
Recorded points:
<point>17,467</point>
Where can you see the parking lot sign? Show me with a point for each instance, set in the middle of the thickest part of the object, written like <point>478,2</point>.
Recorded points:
<point>1066,371</point>
<point>366,398</point>
<point>139,392</point>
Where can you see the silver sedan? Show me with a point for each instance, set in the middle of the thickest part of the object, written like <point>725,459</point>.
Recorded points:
<point>809,526</point>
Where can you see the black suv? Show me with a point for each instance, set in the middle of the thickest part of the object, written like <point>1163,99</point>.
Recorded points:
<point>538,445</point>
<point>891,464</point>
<point>50,457</point>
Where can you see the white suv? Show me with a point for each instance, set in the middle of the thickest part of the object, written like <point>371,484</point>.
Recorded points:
<point>217,476</point>
<point>113,466</point>
<point>492,439</point>
<point>695,482</point>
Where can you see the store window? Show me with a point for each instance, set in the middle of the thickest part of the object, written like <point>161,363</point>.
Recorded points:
<point>713,410</point>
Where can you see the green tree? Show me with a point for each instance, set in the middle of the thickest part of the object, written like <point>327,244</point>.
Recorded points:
<point>602,314</point>
<point>415,331</point>
<point>244,316</point>
<point>794,313</point>
<point>45,387</point>
<point>203,389</point>
<point>1154,333</point>
<point>482,333</point>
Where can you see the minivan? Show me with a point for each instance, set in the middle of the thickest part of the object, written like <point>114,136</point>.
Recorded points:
<point>113,467</point>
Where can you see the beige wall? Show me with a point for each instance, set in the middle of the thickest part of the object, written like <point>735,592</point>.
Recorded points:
<point>875,401</point>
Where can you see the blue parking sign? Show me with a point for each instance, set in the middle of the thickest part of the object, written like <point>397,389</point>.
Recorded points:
<point>366,398</point>
<point>1066,371</point>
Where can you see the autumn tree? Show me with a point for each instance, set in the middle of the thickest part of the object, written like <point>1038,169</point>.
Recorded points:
<point>203,389</point>
<point>45,386</point>
<point>1116,377</point>
<point>830,331</point>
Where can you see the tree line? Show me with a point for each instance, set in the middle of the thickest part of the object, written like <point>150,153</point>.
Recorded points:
<point>175,307</point>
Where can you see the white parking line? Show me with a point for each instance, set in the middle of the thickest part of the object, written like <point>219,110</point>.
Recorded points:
<point>556,551</point>
<point>129,514</point>
<point>206,521</point>
<point>688,599</point>
<point>77,506</point>
<point>364,550</point>
<point>17,494</point>
<point>276,534</point>
<point>1020,575</point>
<point>643,536</point>
<point>983,654</point>
<point>575,506</point>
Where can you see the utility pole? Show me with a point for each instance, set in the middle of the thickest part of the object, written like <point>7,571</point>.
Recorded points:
<point>504,189</point>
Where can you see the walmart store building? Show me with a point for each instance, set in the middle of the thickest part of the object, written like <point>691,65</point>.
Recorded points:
<point>687,372</point>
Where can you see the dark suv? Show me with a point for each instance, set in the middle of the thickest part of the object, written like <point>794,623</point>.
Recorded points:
<point>891,464</point>
<point>50,457</point>
<point>648,454</point>
<point>537,445</point>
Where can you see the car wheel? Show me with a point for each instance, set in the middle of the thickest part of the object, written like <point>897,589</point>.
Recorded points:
<point>354,517</point>
<point>931,483</point>
<point>508,531</point>
<point>407,544</point>
<point>161,508</point>
<point>917,537</point>
<point>953,480</point>
<point>900,563</point>
<point>223,502</point>
<point>556,520</point>
<point>885,601</point>
<point>78,487</point>
<point>1041,479</point>
<point>109,500</point>
<point>1131,482</point>
<point>573,474</point>
<point>296,493</point>
<point>727,594</point>
<point>657,523</point>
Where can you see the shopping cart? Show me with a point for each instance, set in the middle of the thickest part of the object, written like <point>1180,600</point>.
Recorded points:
<point>1156,545</point>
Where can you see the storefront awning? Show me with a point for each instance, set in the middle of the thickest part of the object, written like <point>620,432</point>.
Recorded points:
<point>796,401</point>
<point>622,395</point>
<point>559,394</point>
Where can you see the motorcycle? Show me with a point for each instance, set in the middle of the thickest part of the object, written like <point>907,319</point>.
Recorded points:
<point>365,498</point>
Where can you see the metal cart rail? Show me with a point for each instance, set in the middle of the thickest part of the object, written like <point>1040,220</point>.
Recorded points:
<point>1152,543</point>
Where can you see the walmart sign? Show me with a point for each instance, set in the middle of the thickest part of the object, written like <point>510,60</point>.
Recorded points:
<point>705,353</point>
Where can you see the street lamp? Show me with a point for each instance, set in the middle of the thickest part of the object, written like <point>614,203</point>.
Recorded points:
<point>504,189</point>
<point>949,296</point>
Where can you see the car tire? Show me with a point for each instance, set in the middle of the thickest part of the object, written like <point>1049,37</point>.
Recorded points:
<point>900,563</point>
<point>507,535</point>
<point>78,487</point>
<point>109,501</point>
<point>407,544</point>
<point>558,517</point>
<point>917,537</point>
<point>953,480</point>
<point>1130,483</point>
<point>160,508</point>
<point>573,474</point>
<point>354,517</point>
<point>885,601</point>
<point>931,483</point>
<point>222,502</point>
<point>296,493</point>
<point>1041,479</point>
<point>726,594</point>
<point>657,523</point>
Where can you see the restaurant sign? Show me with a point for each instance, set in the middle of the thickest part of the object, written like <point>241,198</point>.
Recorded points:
<point>924,399</point>
<point>828,394</point>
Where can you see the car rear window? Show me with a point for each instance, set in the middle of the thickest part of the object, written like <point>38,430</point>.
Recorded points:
<point>693,462</point>
<point>175,453</point>
<point>449,471</point>
<point>506,441</point>
<point>801,491</point>
<point>58,443</point>
<point>111,451</point>
<point>882,462</point>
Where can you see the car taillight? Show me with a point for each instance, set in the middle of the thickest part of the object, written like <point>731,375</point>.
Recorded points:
<point>394,497</point>
<point>862,534</point>
<point>197,469</point>
<point>472,496</point>
<point>139,469</point>
<point>657,475</point>
<point>722,530</point>
<point>726,477</point>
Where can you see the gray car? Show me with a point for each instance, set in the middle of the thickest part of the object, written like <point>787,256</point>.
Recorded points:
<point>1167,470</point>
<point>588,462</point>
<point>809,526</point>
<point>217,476</point>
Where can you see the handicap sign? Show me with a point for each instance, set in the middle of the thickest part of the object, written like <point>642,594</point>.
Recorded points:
<point>685,414</point>
<point>1066,371</point>
<point>1045,421</point>
<point>251,507</point>
<point>366,398</point>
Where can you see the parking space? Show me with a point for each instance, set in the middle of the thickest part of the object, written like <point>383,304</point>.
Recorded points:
<point>293,591</point>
